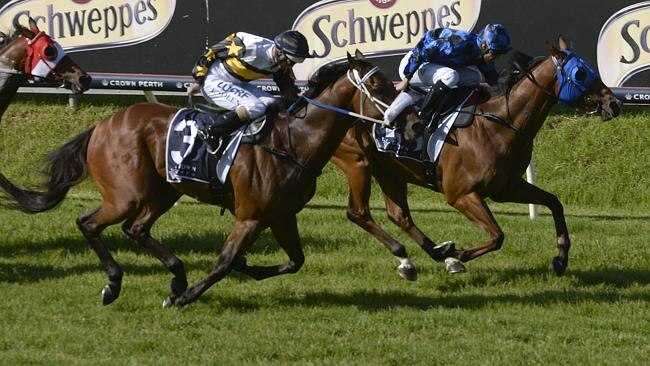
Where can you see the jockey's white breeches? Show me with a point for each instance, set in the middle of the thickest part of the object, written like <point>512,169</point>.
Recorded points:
<point>226,91</point>
<point>428,74</point>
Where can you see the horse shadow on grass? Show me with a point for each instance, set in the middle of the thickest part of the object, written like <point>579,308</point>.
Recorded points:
<point>206,245</point>
<point>372,301</point>
<point>608,283</point>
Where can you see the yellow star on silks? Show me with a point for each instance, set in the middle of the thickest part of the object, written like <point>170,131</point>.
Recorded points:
<point>234,49</point>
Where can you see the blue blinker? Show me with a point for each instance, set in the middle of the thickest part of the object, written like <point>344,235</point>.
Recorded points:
<point>574,76</point>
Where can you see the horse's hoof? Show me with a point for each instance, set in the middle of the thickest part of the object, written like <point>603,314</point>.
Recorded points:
<point>110,293</point>
<point>559,266</point>
<point>408,273</point>
<point>453,265</point>
<point>443,250</point>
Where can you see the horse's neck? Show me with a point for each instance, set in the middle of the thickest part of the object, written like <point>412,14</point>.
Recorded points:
<point>10,80</point>
<point>9,84</point>
<point>529,104</point>
<point>313,133</point>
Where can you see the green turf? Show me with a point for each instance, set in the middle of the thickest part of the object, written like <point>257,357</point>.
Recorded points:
<point>347,306</point>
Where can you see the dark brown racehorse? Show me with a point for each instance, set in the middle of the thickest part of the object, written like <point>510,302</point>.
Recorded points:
<point>485,160</point>
<point>269,183</point>
<point>31,54</point>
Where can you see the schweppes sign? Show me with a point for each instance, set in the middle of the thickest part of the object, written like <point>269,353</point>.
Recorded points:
<point>624,44</point>
<point>376,27</point>
<point>92,24</point>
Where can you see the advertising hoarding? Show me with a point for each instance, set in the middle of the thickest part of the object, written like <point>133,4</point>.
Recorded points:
<point>153,44</point>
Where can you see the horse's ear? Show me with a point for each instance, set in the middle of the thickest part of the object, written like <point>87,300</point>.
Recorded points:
<point>350,58</point>
<point>359,55</point>
<point>22,30</point>
<point>553,50</point>
<point>563,43</point>
<point>32,25</point>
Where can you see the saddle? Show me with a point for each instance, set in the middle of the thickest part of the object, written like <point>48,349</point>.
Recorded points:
<point>451,102</point>
<point>456,111</point>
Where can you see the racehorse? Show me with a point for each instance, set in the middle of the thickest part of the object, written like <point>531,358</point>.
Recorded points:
<point>268,184</point>
<point>487,159</point>
<point>30,54</point>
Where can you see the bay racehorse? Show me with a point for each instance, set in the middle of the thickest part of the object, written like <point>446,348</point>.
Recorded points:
<point>487,159</point>
<point>268,184</point>
<point>30,54</point>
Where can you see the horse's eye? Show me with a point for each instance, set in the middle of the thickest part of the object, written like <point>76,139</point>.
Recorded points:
<point>50,53</point>
<point>580,74</point>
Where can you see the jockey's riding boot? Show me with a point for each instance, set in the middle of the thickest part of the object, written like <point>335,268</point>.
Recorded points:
<point>433,102</point>
<point>222,125</point>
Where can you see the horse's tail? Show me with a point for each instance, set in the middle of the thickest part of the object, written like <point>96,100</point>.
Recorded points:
<point>64,168</point>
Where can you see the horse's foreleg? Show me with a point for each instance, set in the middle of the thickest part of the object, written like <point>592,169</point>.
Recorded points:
<point>525,192</point>
<point>476,210</point>
<point>397,207</point>
<point>286,233</point>
<point>242,236</point>
<point>139,228</point>
<point>357,171</point>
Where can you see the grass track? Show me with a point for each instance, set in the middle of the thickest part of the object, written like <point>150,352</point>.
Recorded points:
<point>347,305</point>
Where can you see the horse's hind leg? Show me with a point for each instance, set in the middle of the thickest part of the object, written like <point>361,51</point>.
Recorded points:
<point>357,169</point>
<point>286,233</point>
<point>242,236</point>
<point>525,192</point>
<point>91,225</point>
<point>139,229</point>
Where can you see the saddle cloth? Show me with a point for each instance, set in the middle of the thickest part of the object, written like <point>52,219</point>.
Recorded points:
<point>458,115</point>
<point>187,156</point>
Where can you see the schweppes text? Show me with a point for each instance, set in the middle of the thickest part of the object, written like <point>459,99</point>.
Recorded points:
<point>93,24</point>
<point>101,21</point>
<point>355,29</point>
<point>375,27</point>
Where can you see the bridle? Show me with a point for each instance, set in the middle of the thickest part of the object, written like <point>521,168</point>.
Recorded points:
<point>358,82</point>
<point>38,65</point>
<point>570,88</point>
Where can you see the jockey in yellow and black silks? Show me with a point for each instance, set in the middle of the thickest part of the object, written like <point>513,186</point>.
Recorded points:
<point>225,70</point>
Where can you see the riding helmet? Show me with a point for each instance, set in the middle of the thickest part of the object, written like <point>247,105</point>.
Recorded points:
<point>496,37</point>
<point>293,44</point>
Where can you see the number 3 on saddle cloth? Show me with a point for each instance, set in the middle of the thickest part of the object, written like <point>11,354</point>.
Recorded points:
<point>187,157</point>
<point>457,112</point>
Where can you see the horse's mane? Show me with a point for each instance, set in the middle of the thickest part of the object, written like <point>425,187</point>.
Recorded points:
<point>325,76</point>
<point>510,76</point>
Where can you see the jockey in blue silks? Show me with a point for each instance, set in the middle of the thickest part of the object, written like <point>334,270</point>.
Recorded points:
<point>446,58</point>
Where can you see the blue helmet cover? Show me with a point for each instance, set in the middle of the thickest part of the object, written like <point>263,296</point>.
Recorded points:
<point>496,37</point>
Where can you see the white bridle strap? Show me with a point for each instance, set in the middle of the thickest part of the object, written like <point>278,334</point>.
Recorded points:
<point>360,83</point>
